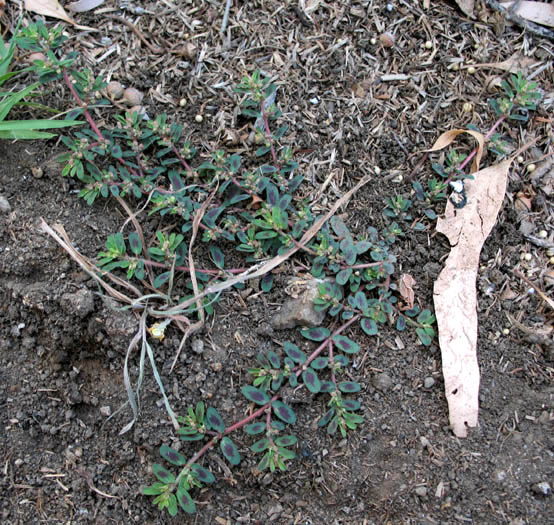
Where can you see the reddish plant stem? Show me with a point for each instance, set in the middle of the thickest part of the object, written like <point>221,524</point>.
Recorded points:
<point>268,135</point>
<point>185,164</point>
<point>331,362</point>
<point>267,406</point>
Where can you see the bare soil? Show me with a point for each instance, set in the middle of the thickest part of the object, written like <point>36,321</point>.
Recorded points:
<point>62,347</point>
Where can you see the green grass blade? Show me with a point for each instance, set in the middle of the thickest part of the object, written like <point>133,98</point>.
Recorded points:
<point>18,125</point>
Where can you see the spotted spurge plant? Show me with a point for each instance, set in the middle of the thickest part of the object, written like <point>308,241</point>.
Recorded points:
<point>255,206</point>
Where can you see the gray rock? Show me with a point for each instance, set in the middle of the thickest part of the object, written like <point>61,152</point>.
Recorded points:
<point>421,491</point>
<point>5,206</point>
<point>197,346</point>
<point>382,382</point>
<point>299,310</point>
<point>428,382</point>
<point>543,488</point>
<point>80,303</point>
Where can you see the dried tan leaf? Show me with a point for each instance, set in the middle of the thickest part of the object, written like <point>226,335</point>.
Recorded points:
<point>455,295</point>
<point>538,12</point>
<point>448,137</point>
<point>516,62</point>
<point>406,290</point>
<point>466,6</point>
<point>54,9</point>
<point>84,5</point>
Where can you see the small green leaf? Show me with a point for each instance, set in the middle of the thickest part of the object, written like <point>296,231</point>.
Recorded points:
<point>327,417</point>
<point>316,334</point>
<point>339,227</point>
<point>217,256</point>
<point>230,451</point>
<point>214,421</point>
<point>277,425</point>
<point>311,380</point>
<point>171,455</point>
<point>154,489</point>
<point>297,355</point>
<point>343,276</point>
<point>351,404</point>
<point>286,441</point>
<point>267,282</point>
<point>327,387</point>
<point>274,360</point>
<point>186,502</point>
<point>135,243</point>
<point>319,363</point>
<point>255,395</point>
<point>346,344</point>
<point>349,387</point>
<point>369,326</point>
<point>162,473</point>
<point>284,412</point>
<point>260,445</point>
<point>423,337</point>
<point>255,428</point>
<point>202,474</point>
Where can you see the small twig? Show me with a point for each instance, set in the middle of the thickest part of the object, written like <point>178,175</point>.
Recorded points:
<point>130,25</point>
<point>543,296</point>
<point>226,16</point>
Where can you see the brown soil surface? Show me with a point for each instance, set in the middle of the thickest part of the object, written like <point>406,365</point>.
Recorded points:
<point>61,354</point>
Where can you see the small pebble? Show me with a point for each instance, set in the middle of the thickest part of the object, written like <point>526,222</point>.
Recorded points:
<point>428,382</point>
<point>105,411</point>
<point>421,491</point>
<point>4,205</point>
<point>199,118</point>
<point>543,488</point>
<point>382,382</point>
<point>198,346</point>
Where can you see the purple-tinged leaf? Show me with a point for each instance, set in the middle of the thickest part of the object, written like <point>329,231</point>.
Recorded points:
<point>327,387</point>
<point>369,326</point>
<point>346,344</point>
<point>134,243</point>
<point>341,360</point>
<point>311,380</point>
<point>274,360</point>
<point>176,181</point>
<point>267,282</point>
<point>214,421</point>
<point>286,441</point>
<point>284,412</point>
<point>162,473</point>
<point>318,333</point>
<point>201,474</point>
<point>349,387</point>
<point>297,355</point>
<point>327,417</point>
<point>217,256</point>
<point>277,425</point>
<point>351,404</point>
<point>255,428</point>
<point>360,301</point>
<point>260,445</point>
<point>185,501</point>
<point>230,451</point>
<point>171,455</point>
<point>348,250</point>
<point>319,363</point>
<point>255,395</point>
<point>343,276</point>
<point>339,227</point>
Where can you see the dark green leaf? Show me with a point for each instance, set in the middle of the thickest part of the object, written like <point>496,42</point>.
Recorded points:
<point>230,451</point>
<point>319,362</point>
<point>214,421</point>
<point>316,334</point>
<point>162,473</point>
<point>274,360</point>
<point>174,457</point>
<point>327,386</point>
<point>255,428</point>
<point>255,395</point>
<point>234,163</point>
<point>423,337</point>
<point>186,502</point>
<point>360,301</point>
<point>135,243</point>
<point>202,474</point>
<point>339,227</point>
<point>349,250</point>
<point>286,441</point>
<point>161,279</point>
<point>351,404</point>
<point>346,344</point>
<point>343,276</point>
<point>327,417</point>
<point>260,445</point>
<point>349,387</point>
<point>311,380</point>
<point>284,412</point>
<point>217,256</point>
<point>267,282</point>
<point>369,326</point>
<point>277,425</point>
<point>297,355</point>
<point>185,436</point>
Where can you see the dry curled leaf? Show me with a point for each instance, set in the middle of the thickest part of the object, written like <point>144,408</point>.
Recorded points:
<point>406,290</point>
<point>54,9</point>
<point>466,7</point>
<point>84,5</point>
<point>516,62</point>
<point>448,137</point>
<point>538,12</point>
<point>455,295</point>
